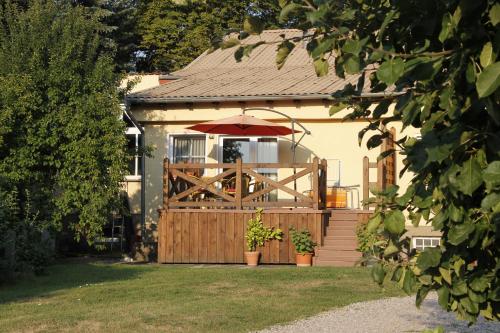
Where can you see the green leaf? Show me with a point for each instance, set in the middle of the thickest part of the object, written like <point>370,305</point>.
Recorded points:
<point>391,70</point>
<point>488,80</point>
<point>351,64</point>
<point>443,296</point>
<point>459,232</point>
<point>469,305</point>
<point>381,108</point>
<point>230,43</point>
<point>394,222</point>
<point>446,28</point>
<point>253,25</point>
<point>373,223</point>
<point>459,288</point>
<point>421,294</point>
<point>491,175</point>
<point>352,46</point>
<point>494,14</point>
<point>409,282</point>
<point>321,67</point>
<point>470,177</point>
<point>490,201</point>
<point>289,10</point>
<point>390,249</point>
<point>378,273</point>
<point>445,273</point>
<point>337,108</point>
<point>322,47</point>
<point>284,50</point>
<point>430,257</point>
<point>487,56</point>
<point>480,284</point>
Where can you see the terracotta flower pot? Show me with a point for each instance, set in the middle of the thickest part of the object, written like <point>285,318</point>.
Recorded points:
<point>252,258</point>
<point>303,260</point>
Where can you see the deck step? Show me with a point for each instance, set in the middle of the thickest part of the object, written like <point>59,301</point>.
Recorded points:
<point>342,223</point>
<point>344,216</point>
<point>340,232</point>
<point>335,263</point>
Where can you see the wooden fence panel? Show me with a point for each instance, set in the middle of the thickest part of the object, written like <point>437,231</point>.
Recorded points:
<point>218,236</point>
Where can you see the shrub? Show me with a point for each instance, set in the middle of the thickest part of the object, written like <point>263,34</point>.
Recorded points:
<point>257,234</point>
<point>302,241</point>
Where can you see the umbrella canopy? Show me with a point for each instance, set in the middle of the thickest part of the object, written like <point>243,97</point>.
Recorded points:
<point>242,125</point>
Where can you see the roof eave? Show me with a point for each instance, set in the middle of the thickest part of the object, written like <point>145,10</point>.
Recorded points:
<point>220,99</point>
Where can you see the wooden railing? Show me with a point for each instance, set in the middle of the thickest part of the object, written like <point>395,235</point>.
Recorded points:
<point>183,185</point>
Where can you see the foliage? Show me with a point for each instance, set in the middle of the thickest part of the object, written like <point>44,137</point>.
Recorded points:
<point>61,139</point>
<point>366,239</point>
<point>257,234</point>
<point>437,63</point>
<point>176,32</point>
<point>25,246</point>
<point>302,241</point>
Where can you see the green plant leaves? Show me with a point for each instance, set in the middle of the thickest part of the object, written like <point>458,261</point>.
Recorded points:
<point>394,222</point>
<point>391,70</point>
<point>253,25</point>
<point>494,14</point>
<point>378,273</point>
<point>470,177</point>
<point>321,67</point>
<point>337,108</point>
<point>430,257</point>
<point>488,80</point>
<point>460,232</point>
<point>491,175</point>
<point>487,56</point>
<point>230,43</point>
<point>284,50</point>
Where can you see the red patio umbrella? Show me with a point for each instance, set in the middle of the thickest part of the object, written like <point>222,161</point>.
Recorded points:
<point>242,125</point>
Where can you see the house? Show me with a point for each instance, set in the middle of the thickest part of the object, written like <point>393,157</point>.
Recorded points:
<point>216,86</point>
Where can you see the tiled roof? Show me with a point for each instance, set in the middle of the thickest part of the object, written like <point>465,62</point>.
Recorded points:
<point>217,76</point>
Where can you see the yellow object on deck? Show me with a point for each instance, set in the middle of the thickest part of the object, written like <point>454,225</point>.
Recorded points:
<point>336,197</point>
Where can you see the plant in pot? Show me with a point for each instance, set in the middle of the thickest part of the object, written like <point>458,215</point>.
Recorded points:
<point>304,247</point>
<point>257,234</point>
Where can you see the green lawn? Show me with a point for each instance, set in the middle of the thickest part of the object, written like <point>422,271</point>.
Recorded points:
<point>90,297</point>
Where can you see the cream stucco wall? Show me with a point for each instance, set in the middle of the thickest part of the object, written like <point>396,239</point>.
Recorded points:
<point>331,139</point>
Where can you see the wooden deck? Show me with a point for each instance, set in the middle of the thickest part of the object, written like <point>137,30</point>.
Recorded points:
<point>202,221</point>
<point>218,235</point>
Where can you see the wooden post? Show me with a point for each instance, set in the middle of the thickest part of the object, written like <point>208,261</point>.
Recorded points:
<point>239,175</point>
<point>324,183</point>
<point>366,181</point>
<point>166,183</point>
<point>315,179</point>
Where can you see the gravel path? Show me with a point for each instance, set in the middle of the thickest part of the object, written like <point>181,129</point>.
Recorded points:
<point>390,315</point>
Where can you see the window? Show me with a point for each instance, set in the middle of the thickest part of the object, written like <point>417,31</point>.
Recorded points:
<point>134,143</point>
<point>252,150</point>
<point>188,149</point>
<point>420,243</point>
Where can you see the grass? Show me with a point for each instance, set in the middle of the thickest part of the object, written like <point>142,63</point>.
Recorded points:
<point>92,297</point>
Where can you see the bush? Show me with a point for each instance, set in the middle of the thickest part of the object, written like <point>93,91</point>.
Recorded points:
<point>302,241</point>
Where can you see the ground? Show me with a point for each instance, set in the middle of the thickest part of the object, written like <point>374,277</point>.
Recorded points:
<point>93,296</point>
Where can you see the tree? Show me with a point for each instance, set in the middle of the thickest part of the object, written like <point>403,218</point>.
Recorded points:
<point>176,32</point>
<point>62,148</point>
<point>437,63</point>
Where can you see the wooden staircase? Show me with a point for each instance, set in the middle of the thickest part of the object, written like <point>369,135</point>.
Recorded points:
<point>340,241</point>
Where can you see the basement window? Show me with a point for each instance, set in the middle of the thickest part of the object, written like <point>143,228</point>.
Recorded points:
<point>421,243</point>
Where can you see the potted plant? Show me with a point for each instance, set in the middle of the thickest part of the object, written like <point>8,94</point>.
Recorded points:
<point>257,234</point>
<point>304,246</point>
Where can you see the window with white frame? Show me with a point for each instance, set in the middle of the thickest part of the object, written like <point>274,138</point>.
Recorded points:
<point>421,243</point>
<point>134,143</point>
<point>188,148</point>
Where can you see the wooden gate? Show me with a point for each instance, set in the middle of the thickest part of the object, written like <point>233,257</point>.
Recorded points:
<point>386,168</point>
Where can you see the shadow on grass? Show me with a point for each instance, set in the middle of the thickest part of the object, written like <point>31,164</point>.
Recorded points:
<point>66,275</point>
